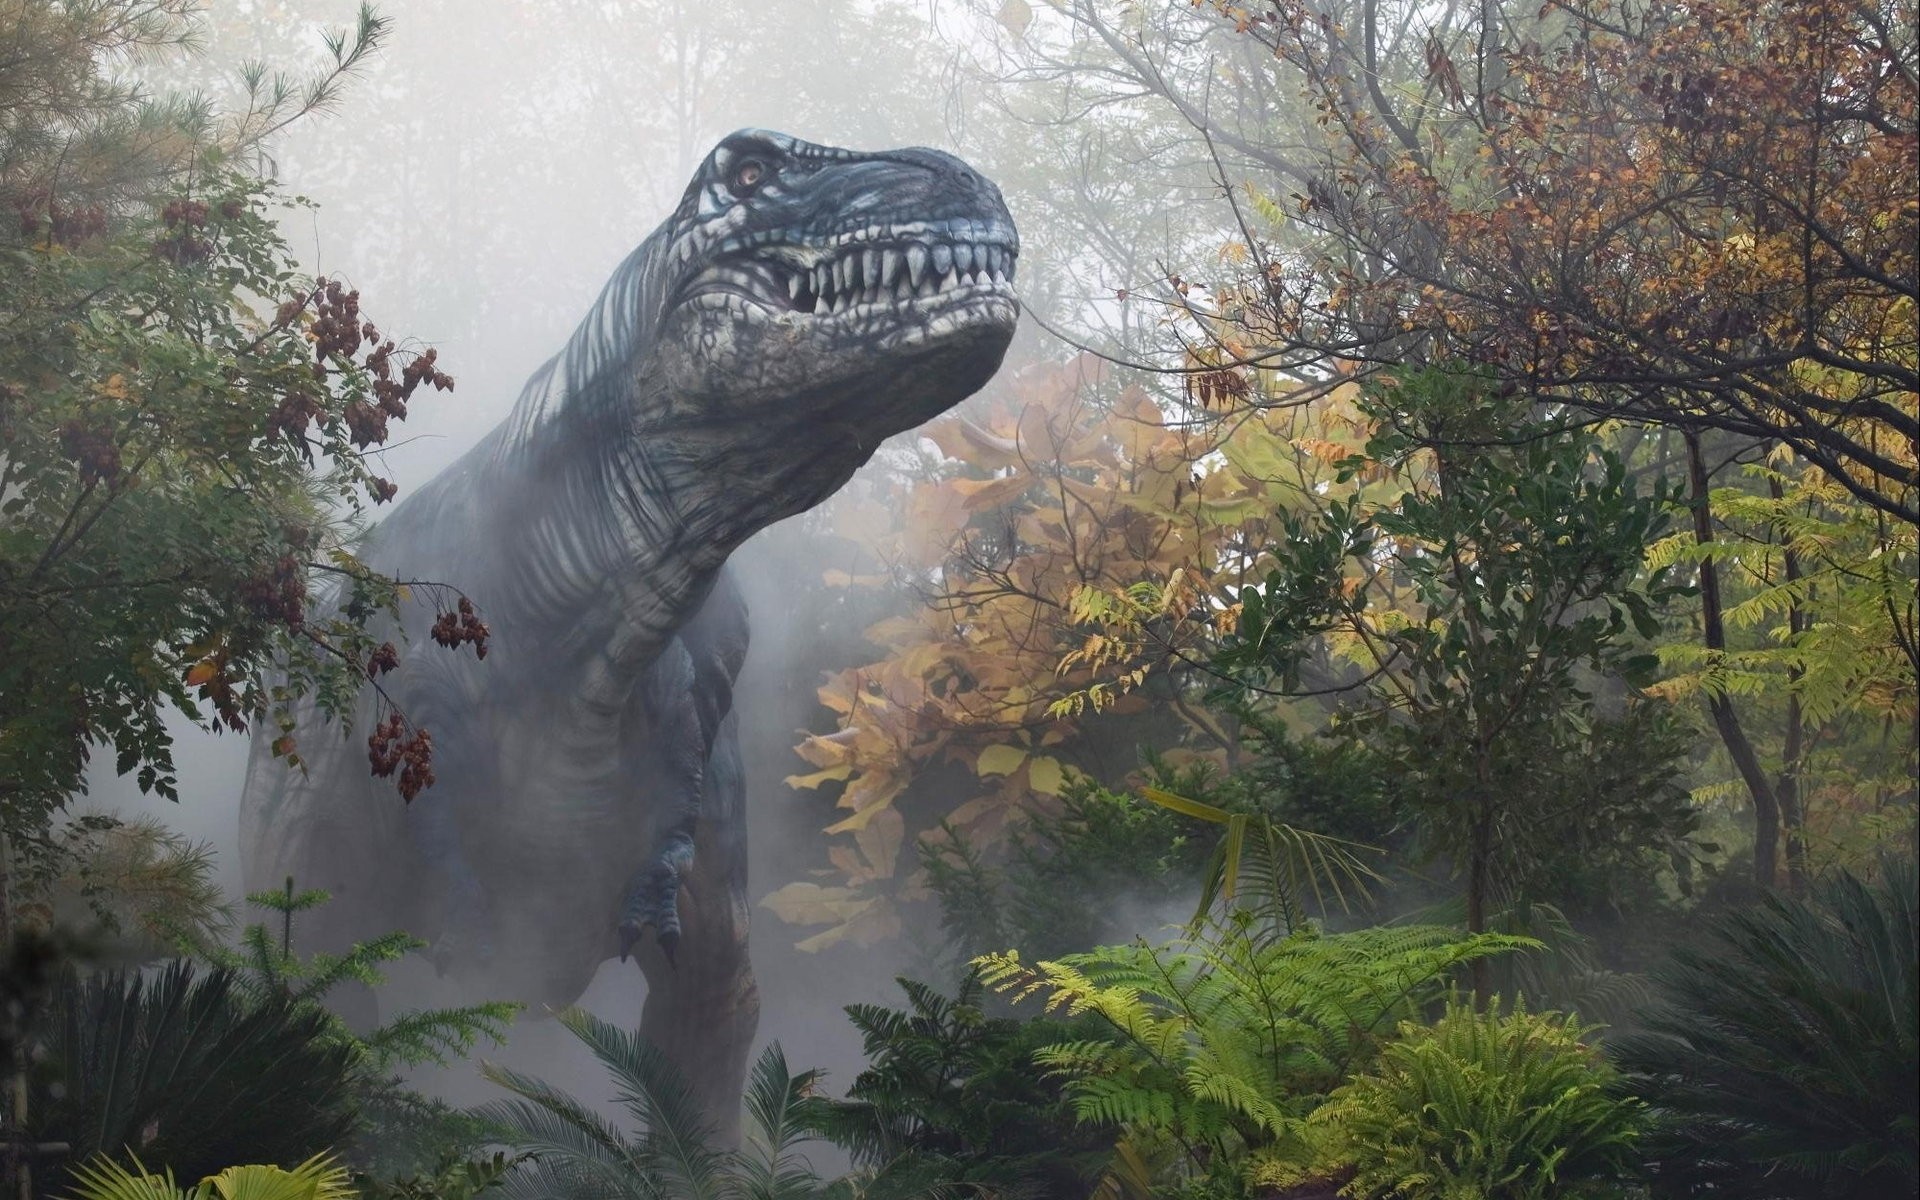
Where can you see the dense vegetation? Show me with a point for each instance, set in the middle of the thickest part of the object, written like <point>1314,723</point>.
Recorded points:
<point>1407,691</point>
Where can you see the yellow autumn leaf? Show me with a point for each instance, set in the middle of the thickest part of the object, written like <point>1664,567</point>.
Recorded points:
<point>1045,775</point>
<point>816,778</point>
<point>1000,760</point>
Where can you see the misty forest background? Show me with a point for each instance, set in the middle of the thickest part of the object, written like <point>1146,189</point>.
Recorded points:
<point>1404,686</point>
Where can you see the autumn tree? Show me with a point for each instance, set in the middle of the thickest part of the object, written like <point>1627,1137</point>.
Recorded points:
<point>1697,218</point>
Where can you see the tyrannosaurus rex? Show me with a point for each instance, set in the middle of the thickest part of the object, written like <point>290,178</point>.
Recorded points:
<point>800,305</point>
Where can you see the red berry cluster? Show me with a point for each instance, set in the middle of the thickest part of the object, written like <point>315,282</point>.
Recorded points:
<point>338,331</point>
<point>390,748</point>
<point>451,629</point>
<point>93,449</point>
<point>184,243</point>
<point>279,594</point>
<point>296,410</point>
<point>63,226</point>
<point>385,659</point>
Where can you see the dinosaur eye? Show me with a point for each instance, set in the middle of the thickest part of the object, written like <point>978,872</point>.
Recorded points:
<point>747,178</point>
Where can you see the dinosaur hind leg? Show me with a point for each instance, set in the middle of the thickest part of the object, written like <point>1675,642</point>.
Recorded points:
<point>703,1009</point>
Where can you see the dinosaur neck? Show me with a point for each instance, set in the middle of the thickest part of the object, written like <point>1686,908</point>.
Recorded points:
<point>623,508</point>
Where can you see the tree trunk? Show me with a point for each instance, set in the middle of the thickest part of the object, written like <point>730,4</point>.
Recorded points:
<point>1766,804</point>
<point>15,1175</point>
<point>1480,869</point>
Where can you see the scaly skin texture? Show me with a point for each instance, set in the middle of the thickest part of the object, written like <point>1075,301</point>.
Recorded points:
<point>802,304</point>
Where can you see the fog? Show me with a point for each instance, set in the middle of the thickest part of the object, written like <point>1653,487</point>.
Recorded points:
<point>478,182</point>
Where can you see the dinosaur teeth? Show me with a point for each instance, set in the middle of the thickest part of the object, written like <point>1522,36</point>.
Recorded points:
<point>942,259</point>
<point>963,258</point>
<point>916,264</point>
<point>892,263</point>
<point>871,260</point>
<point>793,289</point>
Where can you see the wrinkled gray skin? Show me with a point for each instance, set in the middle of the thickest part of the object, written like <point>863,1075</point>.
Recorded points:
<point>802,304</point>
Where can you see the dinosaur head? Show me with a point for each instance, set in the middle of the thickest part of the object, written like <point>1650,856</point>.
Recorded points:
<point>806,287</point>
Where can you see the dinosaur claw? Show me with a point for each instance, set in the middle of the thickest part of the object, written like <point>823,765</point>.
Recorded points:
<point>650,903</point>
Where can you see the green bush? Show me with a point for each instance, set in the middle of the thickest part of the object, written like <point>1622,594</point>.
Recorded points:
<point>188,1069</point>
<point>1484,1106</point>
<point>1782,1064</point>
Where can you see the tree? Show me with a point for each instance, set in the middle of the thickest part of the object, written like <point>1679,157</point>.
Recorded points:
<point>1698,215</point>
<point>179,463</point>
<point>1484,606</point>
<point>183,425</point>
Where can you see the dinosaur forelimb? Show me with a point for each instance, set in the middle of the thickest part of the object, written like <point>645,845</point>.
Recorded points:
<point>682,740</point>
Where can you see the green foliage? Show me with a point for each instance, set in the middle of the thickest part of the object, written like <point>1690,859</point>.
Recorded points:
<point>438,1036</point>
<point>1782,1060</point>
<point>1281,866</point>
<point>400,1131</point>
<point>184,417</point>
<point>318,1178</point>
<point>672,1151</point>
<point>1085,874</point>
<point>1222,1044</point>
<point>1066,879</point>
<point>452,1178</point>
<point>950,1095</point>
<point>190,1068</point>
<point>135,886</point>
<point>1483,605</point>
<point>1489,1105</point>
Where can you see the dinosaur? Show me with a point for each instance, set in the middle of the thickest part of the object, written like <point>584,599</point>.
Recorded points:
<point>802,304</point>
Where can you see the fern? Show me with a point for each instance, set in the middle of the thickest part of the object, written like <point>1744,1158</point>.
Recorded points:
<point>1227,1040</point>
<point>1500,1107</point>
<point>572,1153</point>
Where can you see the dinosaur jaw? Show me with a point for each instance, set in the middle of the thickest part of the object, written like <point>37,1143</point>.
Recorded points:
<point>890,322</point>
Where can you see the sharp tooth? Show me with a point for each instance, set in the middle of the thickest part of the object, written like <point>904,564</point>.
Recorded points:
<point>963,258</point>
<point>949,279</point>
<point>942,259</point>
<point>916,264</point>
<point>999,279</point>
<point>820,287</point>
<point>793,288</point>
<point>993,258</point>
<point>871,260</point>
<point>891,265</point>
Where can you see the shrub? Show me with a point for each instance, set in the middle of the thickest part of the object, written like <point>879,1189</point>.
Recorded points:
<point>187,1068</point>
<point>1782,1063</point>
<point>1486,1106</point>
